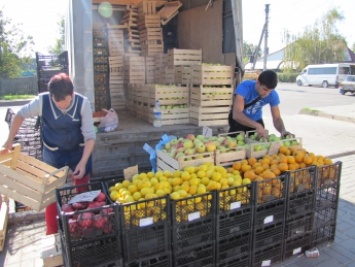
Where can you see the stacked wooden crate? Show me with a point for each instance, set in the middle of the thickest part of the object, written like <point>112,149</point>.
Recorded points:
<point>211,94</point>
<point>160,65</point>
<point>174,101</point>
<point>150,30</point>
<point>130,19</point>
<point>116,67</point>
<point>134,70</point>
<point>149,69</point>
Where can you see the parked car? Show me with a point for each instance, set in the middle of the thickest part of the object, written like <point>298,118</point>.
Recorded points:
<point>348,85</point>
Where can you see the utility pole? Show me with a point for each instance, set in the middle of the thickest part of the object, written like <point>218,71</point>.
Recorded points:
<point>266,49</point>
<point>264,35</point>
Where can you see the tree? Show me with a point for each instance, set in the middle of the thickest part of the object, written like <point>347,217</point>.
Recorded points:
<point>249,50</point>
<point>12,44</point>
<point>59,43</point>
<point>320,43</point>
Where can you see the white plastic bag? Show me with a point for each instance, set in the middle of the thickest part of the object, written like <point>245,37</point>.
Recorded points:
<point>110,122</point>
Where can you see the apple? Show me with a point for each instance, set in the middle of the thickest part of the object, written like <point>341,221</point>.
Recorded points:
<point>272,137</point>
<point>222,149</point>
<point>174,141</point>
<point>200,147</point>
<point>179,155</point>
<point>167,146</point>
<point>188,143</point>
<point>190,151</point>
<point>210,146</point>
<point>240,137</point>
<point>190,136</point>
<point>200,137</point>
<point>241,143</point>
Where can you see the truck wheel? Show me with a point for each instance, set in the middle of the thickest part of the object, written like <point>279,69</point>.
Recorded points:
<point>325,84</point>
<point>299,82</point>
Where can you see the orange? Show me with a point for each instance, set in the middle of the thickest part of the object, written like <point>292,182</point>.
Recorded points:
<point>308,160</point>
<point>249,174</point>
<point>283,150</point>
<point>290,159</point>
<point>283,166</point>
<point>237,165</point>
<point>258,169</point>
<point>246,167</point>
<point>252,161</point>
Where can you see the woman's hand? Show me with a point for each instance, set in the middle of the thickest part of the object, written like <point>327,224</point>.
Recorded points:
<point>79,171</point>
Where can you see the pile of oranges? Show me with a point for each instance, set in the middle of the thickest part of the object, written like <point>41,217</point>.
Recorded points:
<point>271,166</point>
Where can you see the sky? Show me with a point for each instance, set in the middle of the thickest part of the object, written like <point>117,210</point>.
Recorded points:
<point>39,19</point>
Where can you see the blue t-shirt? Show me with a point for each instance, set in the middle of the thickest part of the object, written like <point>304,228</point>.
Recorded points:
<point>247,90</point>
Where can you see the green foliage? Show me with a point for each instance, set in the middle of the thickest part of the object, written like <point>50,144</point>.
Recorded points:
<point>12,44</point>
<point>248,51</point>
<point>17,97</point>
<point>58,48</point>
<point>320,43</point>
<point>287,77</point>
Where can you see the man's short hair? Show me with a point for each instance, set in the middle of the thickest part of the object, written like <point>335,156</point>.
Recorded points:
<point>268,78</point>
<point>60,86</point>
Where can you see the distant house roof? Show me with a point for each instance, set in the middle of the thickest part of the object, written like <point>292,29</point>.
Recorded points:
<point>275,60</point>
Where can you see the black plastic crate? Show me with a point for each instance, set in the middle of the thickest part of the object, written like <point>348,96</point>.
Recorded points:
<point>233,248</point>
<point>329,175</point>
<point>323,234</point>
<point>269,190</point>
<point>299,226</point>
<point>327,197</point>
<point>300,204</point>
<point>52,61</point>
<point>90,235</point>
<point>145,228</point>
<point>44,76</point>
<point>157,261</point>
<point>193,221</point>
<point>201,255</point>
<point>269,214</point>
<point>236,261</point>
<point>302,180</point>
<point>234,210</point>
<point>271,234</point>
<point>297,245</point>
<point>324,217</point>
<point>267,255</point>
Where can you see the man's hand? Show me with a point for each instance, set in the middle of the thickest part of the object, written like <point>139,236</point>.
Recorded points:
<point>79,171</point>
<point>286,133</point>
<point>261,131</point>
<point>8,144</point>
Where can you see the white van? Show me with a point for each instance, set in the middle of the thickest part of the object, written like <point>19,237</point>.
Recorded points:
<point>325,74</point>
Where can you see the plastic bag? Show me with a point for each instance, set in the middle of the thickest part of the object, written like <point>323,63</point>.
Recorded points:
<point>110,122</point>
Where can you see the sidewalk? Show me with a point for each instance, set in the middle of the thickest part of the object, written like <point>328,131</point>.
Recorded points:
<point>324,131</point>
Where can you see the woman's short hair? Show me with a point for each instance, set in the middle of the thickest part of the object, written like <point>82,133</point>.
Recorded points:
<point>60,86</point>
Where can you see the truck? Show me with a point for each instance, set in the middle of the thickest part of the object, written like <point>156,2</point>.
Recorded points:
<point>212,26</point>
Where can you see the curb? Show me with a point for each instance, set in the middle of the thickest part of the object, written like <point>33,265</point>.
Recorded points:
<point>322,114</point>
<point>9,103</point>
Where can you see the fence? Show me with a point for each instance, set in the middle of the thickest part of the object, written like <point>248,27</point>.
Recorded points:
<point>19,86</point>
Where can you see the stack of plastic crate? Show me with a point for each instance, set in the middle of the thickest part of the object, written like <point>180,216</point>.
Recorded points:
<point>234,226</point>
<point>300,211</point>
<point>327,199</point>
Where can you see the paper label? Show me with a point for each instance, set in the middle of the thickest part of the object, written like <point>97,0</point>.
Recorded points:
<point>85,197</point>
<point>235,205</point>
<point>146,221</point>
<point>269,219</point>
<point>129,172</point>
<point>206,131</point>
<point>194,215</point>
<point>296,251</point>
<point>266,263</point>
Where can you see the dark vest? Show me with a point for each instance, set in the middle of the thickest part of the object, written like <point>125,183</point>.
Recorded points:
<point>61,131</point>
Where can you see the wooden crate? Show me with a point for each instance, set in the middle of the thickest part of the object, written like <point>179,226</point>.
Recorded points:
<point>173,116</point>
<point>148,21</point>
<point>165,162</point>
<point>184,57</point>
<point>182,75</point>
<point>169,11</point>
<point>209,116</point>
<point>4,216</point>
<point>212,75</point>
<point>149,69</point>
<point>167,94</point>
<point>151,49</point>
<point>230,156</point>
<point>203,96</point>
<point>51,251</point>
<point>28,180</point>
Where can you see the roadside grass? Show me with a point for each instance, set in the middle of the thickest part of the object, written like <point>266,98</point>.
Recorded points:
<point>309,110</point>
<point>16,97</point>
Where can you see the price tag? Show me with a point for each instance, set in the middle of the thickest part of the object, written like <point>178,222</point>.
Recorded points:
<point>85,197</point>
<point>269,219</point>
<point>235,205</point>
<point>206,131</point>
<point>146,221</point>
<point>129,172</point>
<point>194,216</point>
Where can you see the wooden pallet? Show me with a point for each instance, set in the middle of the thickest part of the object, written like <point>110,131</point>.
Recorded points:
<point>148,21</point>
<point>4,216</point>
<point>28,180</point>
<point>51,251</point>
